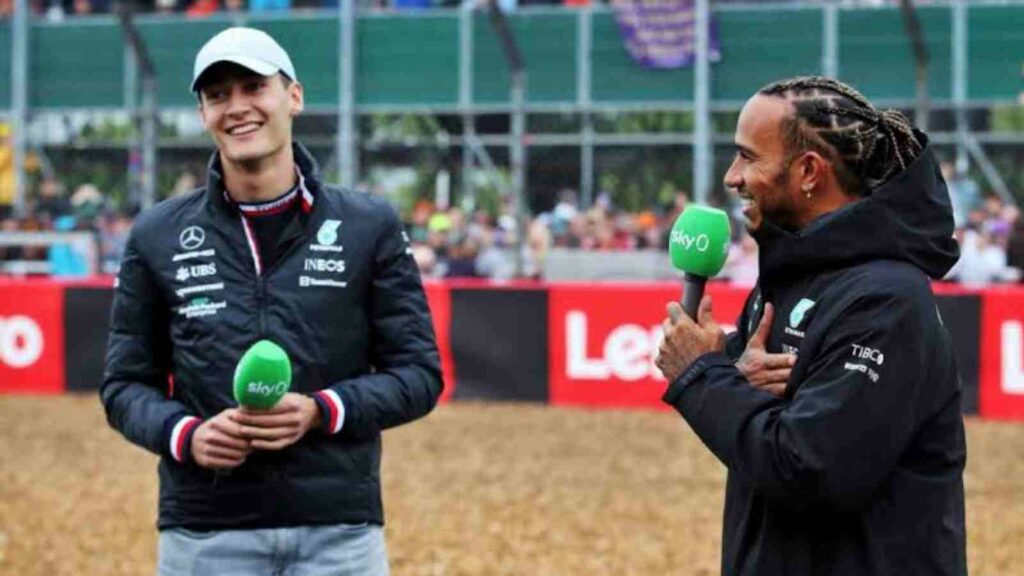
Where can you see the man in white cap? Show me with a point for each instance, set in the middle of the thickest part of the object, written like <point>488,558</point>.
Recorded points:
<point>267,251</point>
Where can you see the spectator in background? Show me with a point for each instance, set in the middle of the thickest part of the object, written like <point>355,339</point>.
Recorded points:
<point>997,218</point>
<point>52,203</point>
<point>462,260</point>
<point>202,8</point>
<point>113,232</point>
<point>741,268</point>
<point>440,222</point>
<point>257,6</point>
<point>426,260</point>
<point>964,192</point>
<point>6,9</point>
<point>535,249</point>
<point>479,227</point>
<point>493,261</point>
<point>166,6</point>
<point>458,230</point>
<point>68,259</point>
<point>82,7</point>
<point>419,223</point>
<point>567,207</point>
<point>647,230</point>
<point>507,222</point>
<point>87,203</point>
<point>6,165</point>
<point>10,252</point>
<point>679,203</point>
<point>1015,248</point>
<point>411,4</point>
<point>982,260</point>
<point>575,234</point>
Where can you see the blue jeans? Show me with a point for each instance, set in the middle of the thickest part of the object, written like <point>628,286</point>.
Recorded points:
<point>338,550</point>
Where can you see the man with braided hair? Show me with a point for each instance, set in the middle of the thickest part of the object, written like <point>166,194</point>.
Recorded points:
<point>839,417</point>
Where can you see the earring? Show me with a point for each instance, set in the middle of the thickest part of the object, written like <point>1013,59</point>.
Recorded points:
<point>807,189</point>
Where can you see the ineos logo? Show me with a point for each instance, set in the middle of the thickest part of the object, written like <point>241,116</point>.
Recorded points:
<point>21,341</point>
<point>192,237</point>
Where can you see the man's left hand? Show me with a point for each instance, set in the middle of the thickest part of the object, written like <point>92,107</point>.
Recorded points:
<point>281,426</point>
<point>686,340</point>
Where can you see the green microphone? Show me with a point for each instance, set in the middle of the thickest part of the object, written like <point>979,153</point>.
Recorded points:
<point>263,376</point>
<point>699,244</point>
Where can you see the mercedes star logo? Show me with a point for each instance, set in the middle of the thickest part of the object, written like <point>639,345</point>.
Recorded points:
<point>192,237</point>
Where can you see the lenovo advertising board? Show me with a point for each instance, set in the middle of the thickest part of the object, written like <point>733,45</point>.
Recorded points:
<point>1002,354</point>
<point>604,339</point>
<point>31,338</point>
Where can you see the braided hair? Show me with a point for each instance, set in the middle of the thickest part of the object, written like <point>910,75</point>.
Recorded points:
<point>865,145</point>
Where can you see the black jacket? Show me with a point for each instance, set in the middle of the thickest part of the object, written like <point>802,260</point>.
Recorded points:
<point>346,303</point>
<point>858,469</point>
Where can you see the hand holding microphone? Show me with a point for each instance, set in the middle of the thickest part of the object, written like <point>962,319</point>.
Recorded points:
<point>698,245</point>
<point>263,376</point>
<point>271,417</point>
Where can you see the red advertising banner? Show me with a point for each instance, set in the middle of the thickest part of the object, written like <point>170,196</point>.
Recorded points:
<point>31,337</point>
<point>439,298</point>
<point>1002,354</point>
<point>604,339</point>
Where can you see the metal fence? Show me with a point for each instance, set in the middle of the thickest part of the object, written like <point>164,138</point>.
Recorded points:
<point>354,64</point>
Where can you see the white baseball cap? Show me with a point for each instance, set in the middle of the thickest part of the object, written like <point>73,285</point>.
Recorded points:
<point>247,47</point>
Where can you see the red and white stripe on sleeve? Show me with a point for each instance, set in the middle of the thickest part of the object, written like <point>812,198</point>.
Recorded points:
<point>180,433</point>
<point>336,418</point>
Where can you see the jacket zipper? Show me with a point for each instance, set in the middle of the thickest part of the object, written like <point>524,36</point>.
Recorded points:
<point>254,252</point>
<point>261,306</point>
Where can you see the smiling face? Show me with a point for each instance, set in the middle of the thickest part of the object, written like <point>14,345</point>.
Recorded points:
<point>248,115</point>
<point>762,172</point>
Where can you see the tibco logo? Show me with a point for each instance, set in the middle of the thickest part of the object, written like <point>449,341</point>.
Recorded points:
<point>1013,358</point>
<point>628,352</point>
<point>21,341</point>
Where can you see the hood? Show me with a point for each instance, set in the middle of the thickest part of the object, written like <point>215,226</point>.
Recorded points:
<point>908,218</point>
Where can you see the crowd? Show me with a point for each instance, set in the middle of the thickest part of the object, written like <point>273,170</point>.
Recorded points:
<point>85,210</point>
<point>449,242</point>
<point>58,9</point>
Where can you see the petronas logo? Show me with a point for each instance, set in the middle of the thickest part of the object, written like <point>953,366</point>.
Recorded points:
<point>796,316</point>
<point>328,233</point>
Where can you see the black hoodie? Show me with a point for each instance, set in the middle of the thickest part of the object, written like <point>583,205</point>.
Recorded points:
<point>858,469</point>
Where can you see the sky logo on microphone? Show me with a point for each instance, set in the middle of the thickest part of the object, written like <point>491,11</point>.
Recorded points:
<point>700,242</point>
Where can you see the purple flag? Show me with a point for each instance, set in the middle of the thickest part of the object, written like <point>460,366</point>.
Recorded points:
<point>662,33</point>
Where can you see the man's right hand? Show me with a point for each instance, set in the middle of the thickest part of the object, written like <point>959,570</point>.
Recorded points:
<point>219,444</point>
<point>769,372</point>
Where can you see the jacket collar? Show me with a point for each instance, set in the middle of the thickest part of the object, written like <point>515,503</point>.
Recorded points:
<point>305,166</point>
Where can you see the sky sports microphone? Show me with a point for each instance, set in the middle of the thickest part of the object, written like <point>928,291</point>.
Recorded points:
<point>263,376</point>
<point>699,244</point>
